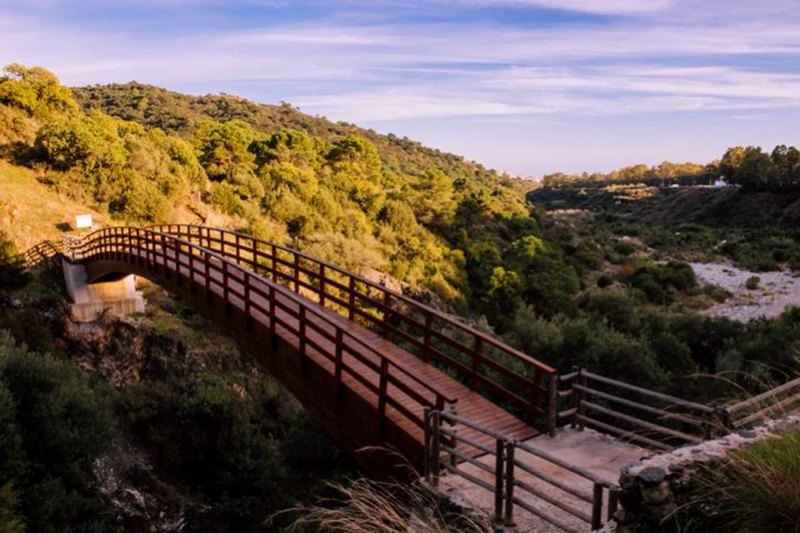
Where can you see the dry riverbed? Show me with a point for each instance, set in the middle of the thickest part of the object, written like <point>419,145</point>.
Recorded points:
<point>776,291</point>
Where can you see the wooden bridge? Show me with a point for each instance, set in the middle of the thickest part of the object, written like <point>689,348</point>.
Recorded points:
<point>363,359</point>
<point>399,384</point>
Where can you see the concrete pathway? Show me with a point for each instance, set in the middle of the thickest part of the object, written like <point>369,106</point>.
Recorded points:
<point>596,452</point>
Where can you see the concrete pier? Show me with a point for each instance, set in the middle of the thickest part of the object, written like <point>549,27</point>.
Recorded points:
<point>90,300</point>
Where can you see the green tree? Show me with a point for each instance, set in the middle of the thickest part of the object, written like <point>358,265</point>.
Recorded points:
<point>36,90</point>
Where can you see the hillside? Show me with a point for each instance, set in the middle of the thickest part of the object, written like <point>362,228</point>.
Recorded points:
<point>181,113</point>
<point>728,207</point>
<point>139,154</point>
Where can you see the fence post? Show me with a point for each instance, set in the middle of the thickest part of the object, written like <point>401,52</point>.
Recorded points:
<point>476,362</point>
<point>339,348</point>
<point>552,415</point>
<point>296,272</point>
<point>322,284</point>
<point>576,400</point>
<point>509,514</point>
<point>384,383</point>
<point>426,458</point>
<point>613,500</point>
<point>426,353</point>
<point>351,299</point>
<point>597,506</point>
<point>499,489</point>
<point>581,396</point>
<point>436,423</point>
<point>387,313</point>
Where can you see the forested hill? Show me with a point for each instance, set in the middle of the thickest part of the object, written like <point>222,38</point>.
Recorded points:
<point>369,202</point>
<point>182,113</point>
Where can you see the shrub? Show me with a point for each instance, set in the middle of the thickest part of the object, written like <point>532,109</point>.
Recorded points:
<point>12,266</point>
<point>752,283</point>
<point>54,426</point>
<point>758,489</point>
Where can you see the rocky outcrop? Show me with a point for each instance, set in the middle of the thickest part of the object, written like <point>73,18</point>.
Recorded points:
<point>142,501</point>
<point>654,488</point>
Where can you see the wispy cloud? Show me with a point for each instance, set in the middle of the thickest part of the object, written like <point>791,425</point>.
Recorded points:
<point>415,60</point>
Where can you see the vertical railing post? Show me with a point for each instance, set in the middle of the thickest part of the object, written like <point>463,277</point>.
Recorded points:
<point>302,333</point>
<point>272,312</point>
<point>575,399</point>
<point>339,349</point>
<point>322,284</point>
<point>387,312</point>
<point>207,274</point>
<point>297,273</point>
<point>499,488</point>
<point>226,305</point>
<point>580,409</point>
<point>248,320</point>
<point>613,501</point>
<point>426,457</point>
<point>351,299</point>
<point>274,251</point>
<point>552,413</point>
<point>426,345</point>
<point>509,475</point>
<point>597,506</point>
<point>436,423</point>
<point>382,394</point>
<point>476,362</point>
<point>164,255</point>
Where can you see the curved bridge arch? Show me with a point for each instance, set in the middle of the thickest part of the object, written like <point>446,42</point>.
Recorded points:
<point>327,337</point>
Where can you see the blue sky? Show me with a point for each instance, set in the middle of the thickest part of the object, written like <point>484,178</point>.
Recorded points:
<point>525,86</point>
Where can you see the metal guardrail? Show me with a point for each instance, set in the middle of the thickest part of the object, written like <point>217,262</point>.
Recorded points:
<point>444,450</point>
<point>482,361</point>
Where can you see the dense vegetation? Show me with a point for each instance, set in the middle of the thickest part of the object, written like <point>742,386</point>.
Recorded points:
<point>609,291</point>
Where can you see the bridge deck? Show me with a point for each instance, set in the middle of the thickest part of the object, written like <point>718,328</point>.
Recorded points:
<point>470,403</point>
<point>367,391</point>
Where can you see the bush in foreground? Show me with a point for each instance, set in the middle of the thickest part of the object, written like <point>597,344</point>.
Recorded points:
<point>758,489</point>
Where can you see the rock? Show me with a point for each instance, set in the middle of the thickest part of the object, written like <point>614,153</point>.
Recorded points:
<point>652,476</point>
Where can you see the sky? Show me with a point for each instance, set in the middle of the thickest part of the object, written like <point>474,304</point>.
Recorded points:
<point>529,87</point>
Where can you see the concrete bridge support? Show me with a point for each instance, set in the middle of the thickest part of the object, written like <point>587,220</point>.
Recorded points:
<point>117,295</point>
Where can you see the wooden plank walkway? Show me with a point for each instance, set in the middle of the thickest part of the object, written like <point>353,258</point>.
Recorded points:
<point>395,383</point>
<point>471,404</point>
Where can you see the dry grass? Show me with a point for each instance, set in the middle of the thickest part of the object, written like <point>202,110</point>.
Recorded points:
<point>365,506</point>
<point>31,212</point>
<point>758,489</point>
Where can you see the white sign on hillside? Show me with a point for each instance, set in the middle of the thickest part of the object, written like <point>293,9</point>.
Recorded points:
<point>83,222</point>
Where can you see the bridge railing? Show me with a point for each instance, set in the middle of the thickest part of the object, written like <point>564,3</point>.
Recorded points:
<point>285,313</point>
<point>646,417</point>
<point>481,361</point>
<point>777,401</point>
<point>519,475</point>
<point>42,253</point>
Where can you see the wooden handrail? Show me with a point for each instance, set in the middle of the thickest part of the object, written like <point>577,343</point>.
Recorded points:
<point>653,394</point>
<point>755,400</point>
<point>164,250</point>
<point>433,327</point>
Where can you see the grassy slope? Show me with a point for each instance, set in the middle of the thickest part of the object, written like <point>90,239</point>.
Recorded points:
<point>31,212</point>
